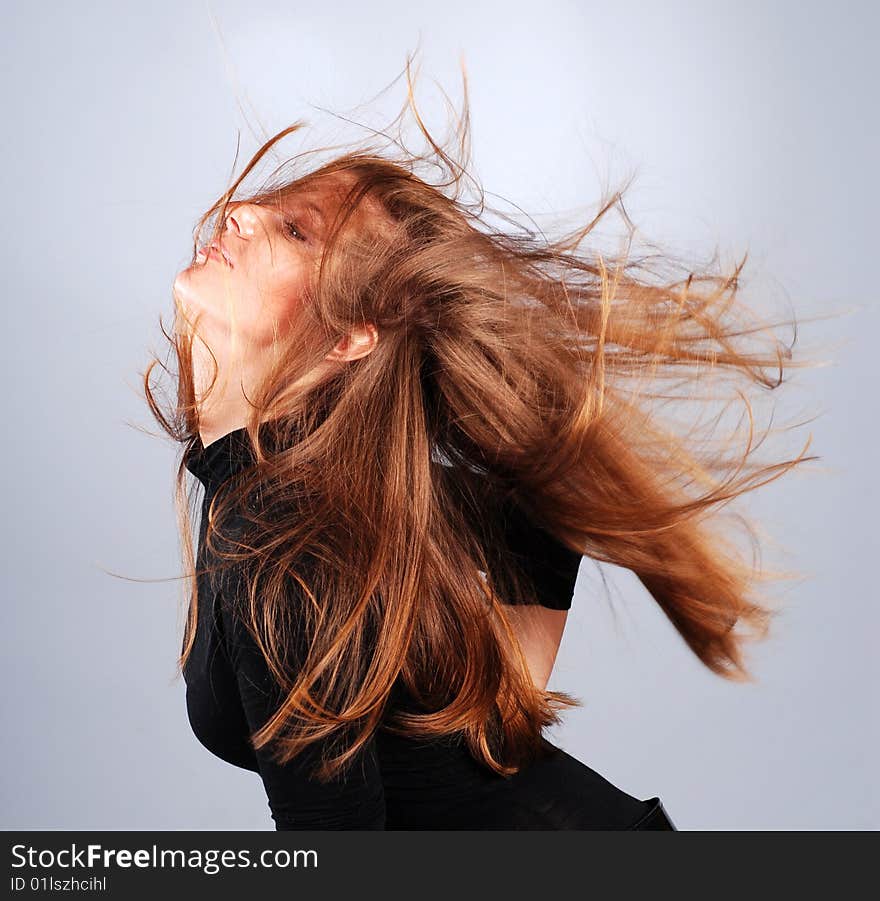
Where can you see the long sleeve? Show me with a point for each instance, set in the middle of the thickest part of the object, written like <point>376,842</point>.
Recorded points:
<point>353,800</point>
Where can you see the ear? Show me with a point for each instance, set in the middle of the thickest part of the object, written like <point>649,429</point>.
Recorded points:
<point>356,344</point>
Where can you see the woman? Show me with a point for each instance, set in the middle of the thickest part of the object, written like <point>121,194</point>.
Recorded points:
<point>409,428</point>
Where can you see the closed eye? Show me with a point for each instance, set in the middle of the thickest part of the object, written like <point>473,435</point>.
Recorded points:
<point>293,229</point>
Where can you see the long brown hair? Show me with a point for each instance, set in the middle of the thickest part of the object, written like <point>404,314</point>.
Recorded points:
<point>557,378</point>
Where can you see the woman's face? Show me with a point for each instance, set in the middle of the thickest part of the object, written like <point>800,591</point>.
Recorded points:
<point>270,257</point>
<point>245,302</point>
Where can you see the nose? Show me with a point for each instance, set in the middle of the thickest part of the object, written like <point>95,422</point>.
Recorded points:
<point>242,219</point>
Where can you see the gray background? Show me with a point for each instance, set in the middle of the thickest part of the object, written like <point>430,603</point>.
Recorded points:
<point>752,126</point>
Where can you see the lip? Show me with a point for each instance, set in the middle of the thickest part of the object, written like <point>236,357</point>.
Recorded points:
<point>216,251</point>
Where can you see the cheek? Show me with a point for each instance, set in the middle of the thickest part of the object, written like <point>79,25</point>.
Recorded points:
<point>272,311</point>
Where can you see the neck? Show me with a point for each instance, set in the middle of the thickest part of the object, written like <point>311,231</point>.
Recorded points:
<point>227,410</point>
<point>218,419</point>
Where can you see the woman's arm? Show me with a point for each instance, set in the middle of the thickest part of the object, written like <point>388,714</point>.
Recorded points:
<point>552,570</point>
<point>539,631</point>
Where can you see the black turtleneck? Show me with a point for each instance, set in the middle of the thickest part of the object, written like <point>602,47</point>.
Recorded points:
<point>396,782</point>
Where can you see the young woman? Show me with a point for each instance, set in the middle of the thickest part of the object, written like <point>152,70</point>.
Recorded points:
<point>410,427</point>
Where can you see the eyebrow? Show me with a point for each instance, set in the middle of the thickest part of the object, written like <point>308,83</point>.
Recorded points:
<point>316,212</point>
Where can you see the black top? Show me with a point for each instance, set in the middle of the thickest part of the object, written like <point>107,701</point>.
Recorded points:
<point>396,782</point>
